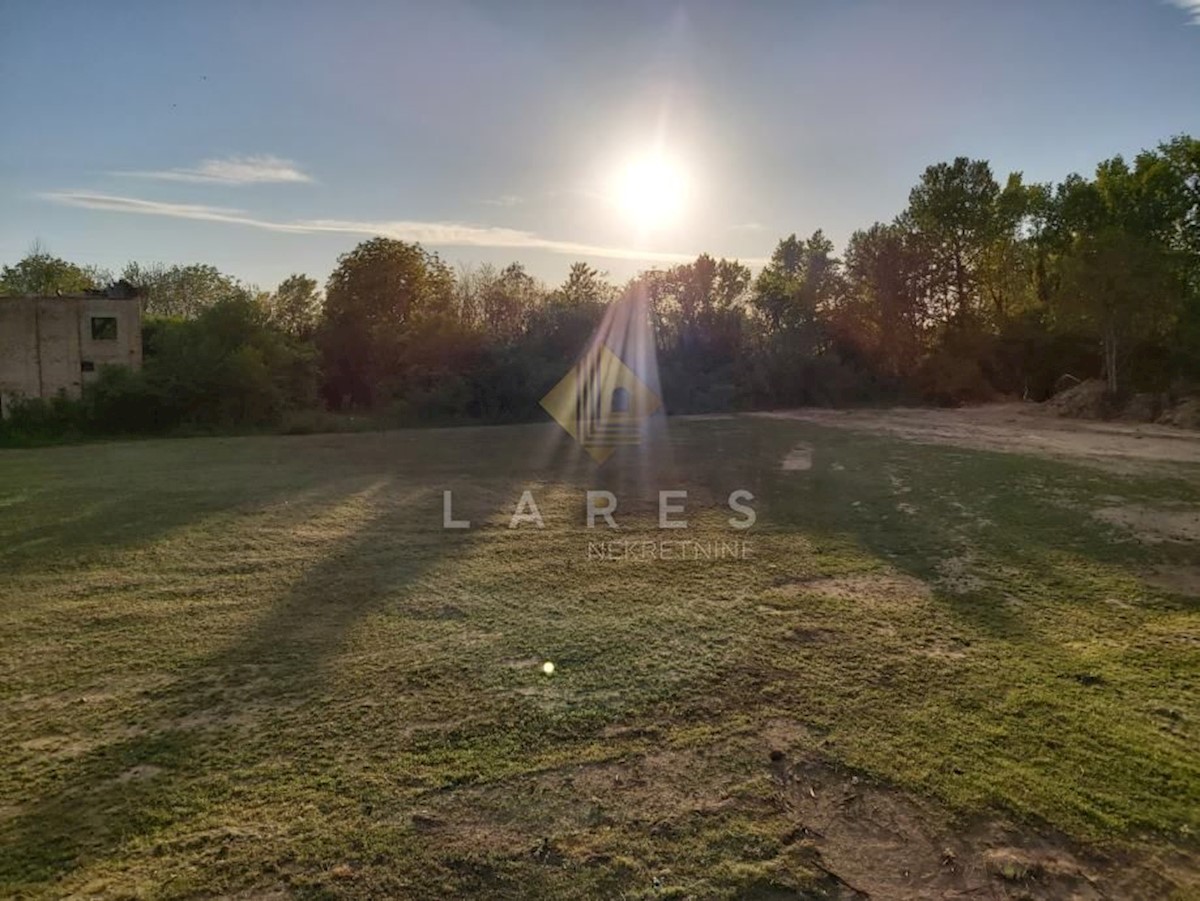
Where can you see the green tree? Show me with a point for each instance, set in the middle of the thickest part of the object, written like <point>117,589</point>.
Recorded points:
<point>228,366</point>
<point>584,285</point>
<point>295,306</point>
<point>693,301</point>
<point>1172,173</point>
<point>802,277</point>
<point>1121,271</point>
<point>1007,262</point>
<point>498,301</point>
<point>182,291</point>
<point>953,214</point>
<point>42,273</point>
<point>508,301</point>
<point>883,314</point>
<point>1119,287</point>
<point>375,299</point>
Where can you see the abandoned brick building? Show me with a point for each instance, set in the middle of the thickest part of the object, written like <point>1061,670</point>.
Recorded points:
<point>57,344</point>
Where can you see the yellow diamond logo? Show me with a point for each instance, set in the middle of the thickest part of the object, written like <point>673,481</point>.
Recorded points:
<point>601,403</point>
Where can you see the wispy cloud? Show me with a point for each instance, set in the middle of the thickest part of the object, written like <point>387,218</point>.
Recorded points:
<point>234,170</point>
<point>505,200</point>
<point>1191,7</point>
<point>748,227</point>
<point>436,234</point>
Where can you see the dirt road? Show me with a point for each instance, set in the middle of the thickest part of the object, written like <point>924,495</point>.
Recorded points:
<point>1026,429</point>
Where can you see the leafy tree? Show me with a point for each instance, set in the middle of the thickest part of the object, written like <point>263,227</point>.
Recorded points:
<point>506,306</point>
<point>953,214</point>
<point>883,314</point>
<point>801,278</point>
<point>295,307</point>
<point>584,285</point>
<point>693,297</point>
<point>182,291</point>
<point>1118,286</point>
<point>1172,175</point>
<point>498,302</point>
<point>1121,270</point>
<point>1007,262</point>
<point>42,273</point>
<point>698,313</point>
<point>228,366</point>
<point>377,295</point>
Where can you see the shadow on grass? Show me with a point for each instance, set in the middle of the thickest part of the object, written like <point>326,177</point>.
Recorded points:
<point>77,508</point>
<point>138,785</point>
<point>972,524</point>
<point>104,799</point>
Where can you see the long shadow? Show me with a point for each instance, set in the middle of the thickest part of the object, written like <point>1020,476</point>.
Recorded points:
<point>76,503</point>
<point>947,503</point>
<point>95,807</point>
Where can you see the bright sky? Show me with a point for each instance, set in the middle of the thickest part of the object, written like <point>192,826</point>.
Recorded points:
<point>268,137</point>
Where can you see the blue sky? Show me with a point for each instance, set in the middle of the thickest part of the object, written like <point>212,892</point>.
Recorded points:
<point>269,137</point>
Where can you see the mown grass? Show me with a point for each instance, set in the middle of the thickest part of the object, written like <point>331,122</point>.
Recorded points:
<point>260,664</point>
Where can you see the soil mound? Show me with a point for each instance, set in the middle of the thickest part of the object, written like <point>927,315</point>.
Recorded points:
<point>1087,400</point>
<point>1185,414</point>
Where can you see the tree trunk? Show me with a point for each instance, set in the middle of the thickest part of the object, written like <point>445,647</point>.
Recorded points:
<point>1110,358</point>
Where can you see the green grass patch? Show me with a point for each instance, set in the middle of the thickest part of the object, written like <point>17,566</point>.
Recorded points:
<point>249,664</point>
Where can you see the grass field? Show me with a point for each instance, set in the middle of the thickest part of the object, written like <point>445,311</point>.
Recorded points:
<point>259,667</point>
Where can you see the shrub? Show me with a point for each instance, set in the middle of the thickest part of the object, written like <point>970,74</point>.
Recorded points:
<point>35,420</point>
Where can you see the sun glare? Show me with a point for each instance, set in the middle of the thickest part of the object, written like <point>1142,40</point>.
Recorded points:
<point>652,191</point>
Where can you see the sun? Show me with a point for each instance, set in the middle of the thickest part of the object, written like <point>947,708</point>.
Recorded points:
<point>651,191</point>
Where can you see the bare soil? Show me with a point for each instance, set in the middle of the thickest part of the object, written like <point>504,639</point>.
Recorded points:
<point>1024,429</point>
<point>881,843</point>
<point>863,839</point>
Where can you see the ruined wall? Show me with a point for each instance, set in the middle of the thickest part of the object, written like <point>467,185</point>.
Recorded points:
<point>123,350</point>
<point>18,348</point>
<point>52,344</point>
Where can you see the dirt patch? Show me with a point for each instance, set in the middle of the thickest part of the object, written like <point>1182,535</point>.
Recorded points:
<point>60,746</point>
<point>877,587</point>
<point>861,839</point>
<point>885,844</point>
<point>1154,525</point>
<point>139,773</point>
<point>522,663</point>
<point>1025,429</point>
<point>954,574</point>
<point>1175,579</point>
<point>799,459</point>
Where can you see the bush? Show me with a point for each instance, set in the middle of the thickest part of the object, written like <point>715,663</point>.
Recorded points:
<point>316,420</point>
<point>228,368</point>
<point>35,420</point>
<point>122,401</point>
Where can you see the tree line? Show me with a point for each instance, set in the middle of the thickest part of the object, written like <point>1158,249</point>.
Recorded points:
<point>977,289</point>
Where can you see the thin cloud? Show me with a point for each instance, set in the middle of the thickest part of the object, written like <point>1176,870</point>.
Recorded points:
<point>748,227</point>
<point>438,234</point>
<point>234,170</point>
<point>506,200</point>
<point>1191,7</point>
